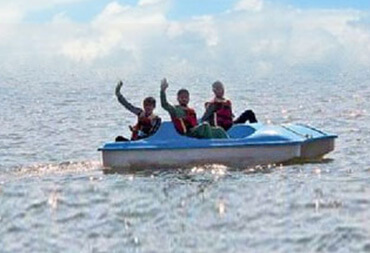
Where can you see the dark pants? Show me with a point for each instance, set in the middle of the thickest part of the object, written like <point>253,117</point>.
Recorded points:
<point>121,138</point>
<point>247,115</point>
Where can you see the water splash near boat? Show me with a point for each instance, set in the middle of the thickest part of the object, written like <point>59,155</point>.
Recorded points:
<point>67,167</point>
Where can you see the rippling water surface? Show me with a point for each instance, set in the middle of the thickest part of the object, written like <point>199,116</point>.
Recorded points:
<point>54,196</point>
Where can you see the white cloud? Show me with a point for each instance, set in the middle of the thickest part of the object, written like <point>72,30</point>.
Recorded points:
<point>254,36</point>
<point>61,18</point>
<point>10,14</point>
<point>249,5</point>
<point>114,13</point>
<point>118,27</point>
<point>150,2</point>
<point>36,4</point>
<point>13,11</point>
<point>202,27</point>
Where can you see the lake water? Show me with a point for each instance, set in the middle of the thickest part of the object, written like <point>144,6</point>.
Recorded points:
<point>54,196</point>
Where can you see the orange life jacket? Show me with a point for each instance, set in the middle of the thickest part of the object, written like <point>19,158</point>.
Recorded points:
<point>223,116</point>
<point>143,126</point>
<point>183,125</point>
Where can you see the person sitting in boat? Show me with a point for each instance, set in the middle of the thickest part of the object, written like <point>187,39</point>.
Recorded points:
<point>219,110</point>
<point>184,118</point>
<point>147,122</point>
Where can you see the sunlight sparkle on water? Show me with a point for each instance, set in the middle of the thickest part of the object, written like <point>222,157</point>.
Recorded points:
<point>317,170</point>
<point>58,168</point>
<point>53,200</point>
<point>92,178</point>
<point>320,202</point>
<point>214,169</point>
<point>219,170</point>
<point>221,207</point>
<point>136,240</point>
<point>264,169</point>
<point>197,170</point>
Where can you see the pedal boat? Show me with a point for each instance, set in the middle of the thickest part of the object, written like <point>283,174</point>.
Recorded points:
<point>248,145</point>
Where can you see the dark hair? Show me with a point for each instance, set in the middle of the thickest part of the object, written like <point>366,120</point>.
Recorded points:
<point>217,83</point>
<point>149,100</point>
<point>181,91</point>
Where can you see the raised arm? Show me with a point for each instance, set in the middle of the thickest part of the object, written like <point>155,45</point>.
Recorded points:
<point>124,102</point>
<point>165,105</point>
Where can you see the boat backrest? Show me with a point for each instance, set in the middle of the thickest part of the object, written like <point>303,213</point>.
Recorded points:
<point>166,131</point>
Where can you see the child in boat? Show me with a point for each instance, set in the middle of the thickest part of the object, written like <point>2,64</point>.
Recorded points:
<point>147,122</point>
<point>219,110</point>
<point>184,118</point>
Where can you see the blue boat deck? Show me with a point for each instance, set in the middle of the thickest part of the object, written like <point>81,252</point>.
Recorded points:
<point>241,135</point>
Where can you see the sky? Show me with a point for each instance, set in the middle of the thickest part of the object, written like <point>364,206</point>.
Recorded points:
<point>259,35</point>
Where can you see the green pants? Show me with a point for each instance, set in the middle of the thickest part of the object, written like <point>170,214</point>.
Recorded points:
<point>206,131</point>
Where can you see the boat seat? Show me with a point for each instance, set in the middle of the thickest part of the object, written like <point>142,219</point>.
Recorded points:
<point>240,131</point>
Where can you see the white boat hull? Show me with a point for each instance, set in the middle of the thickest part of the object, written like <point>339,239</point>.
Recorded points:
<point>233,157</point>
<point>317,148</point>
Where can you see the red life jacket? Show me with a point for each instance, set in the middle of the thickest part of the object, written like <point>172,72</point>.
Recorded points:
<point>223,116</point>
<point>183,125</point>
<point>144,126</point>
